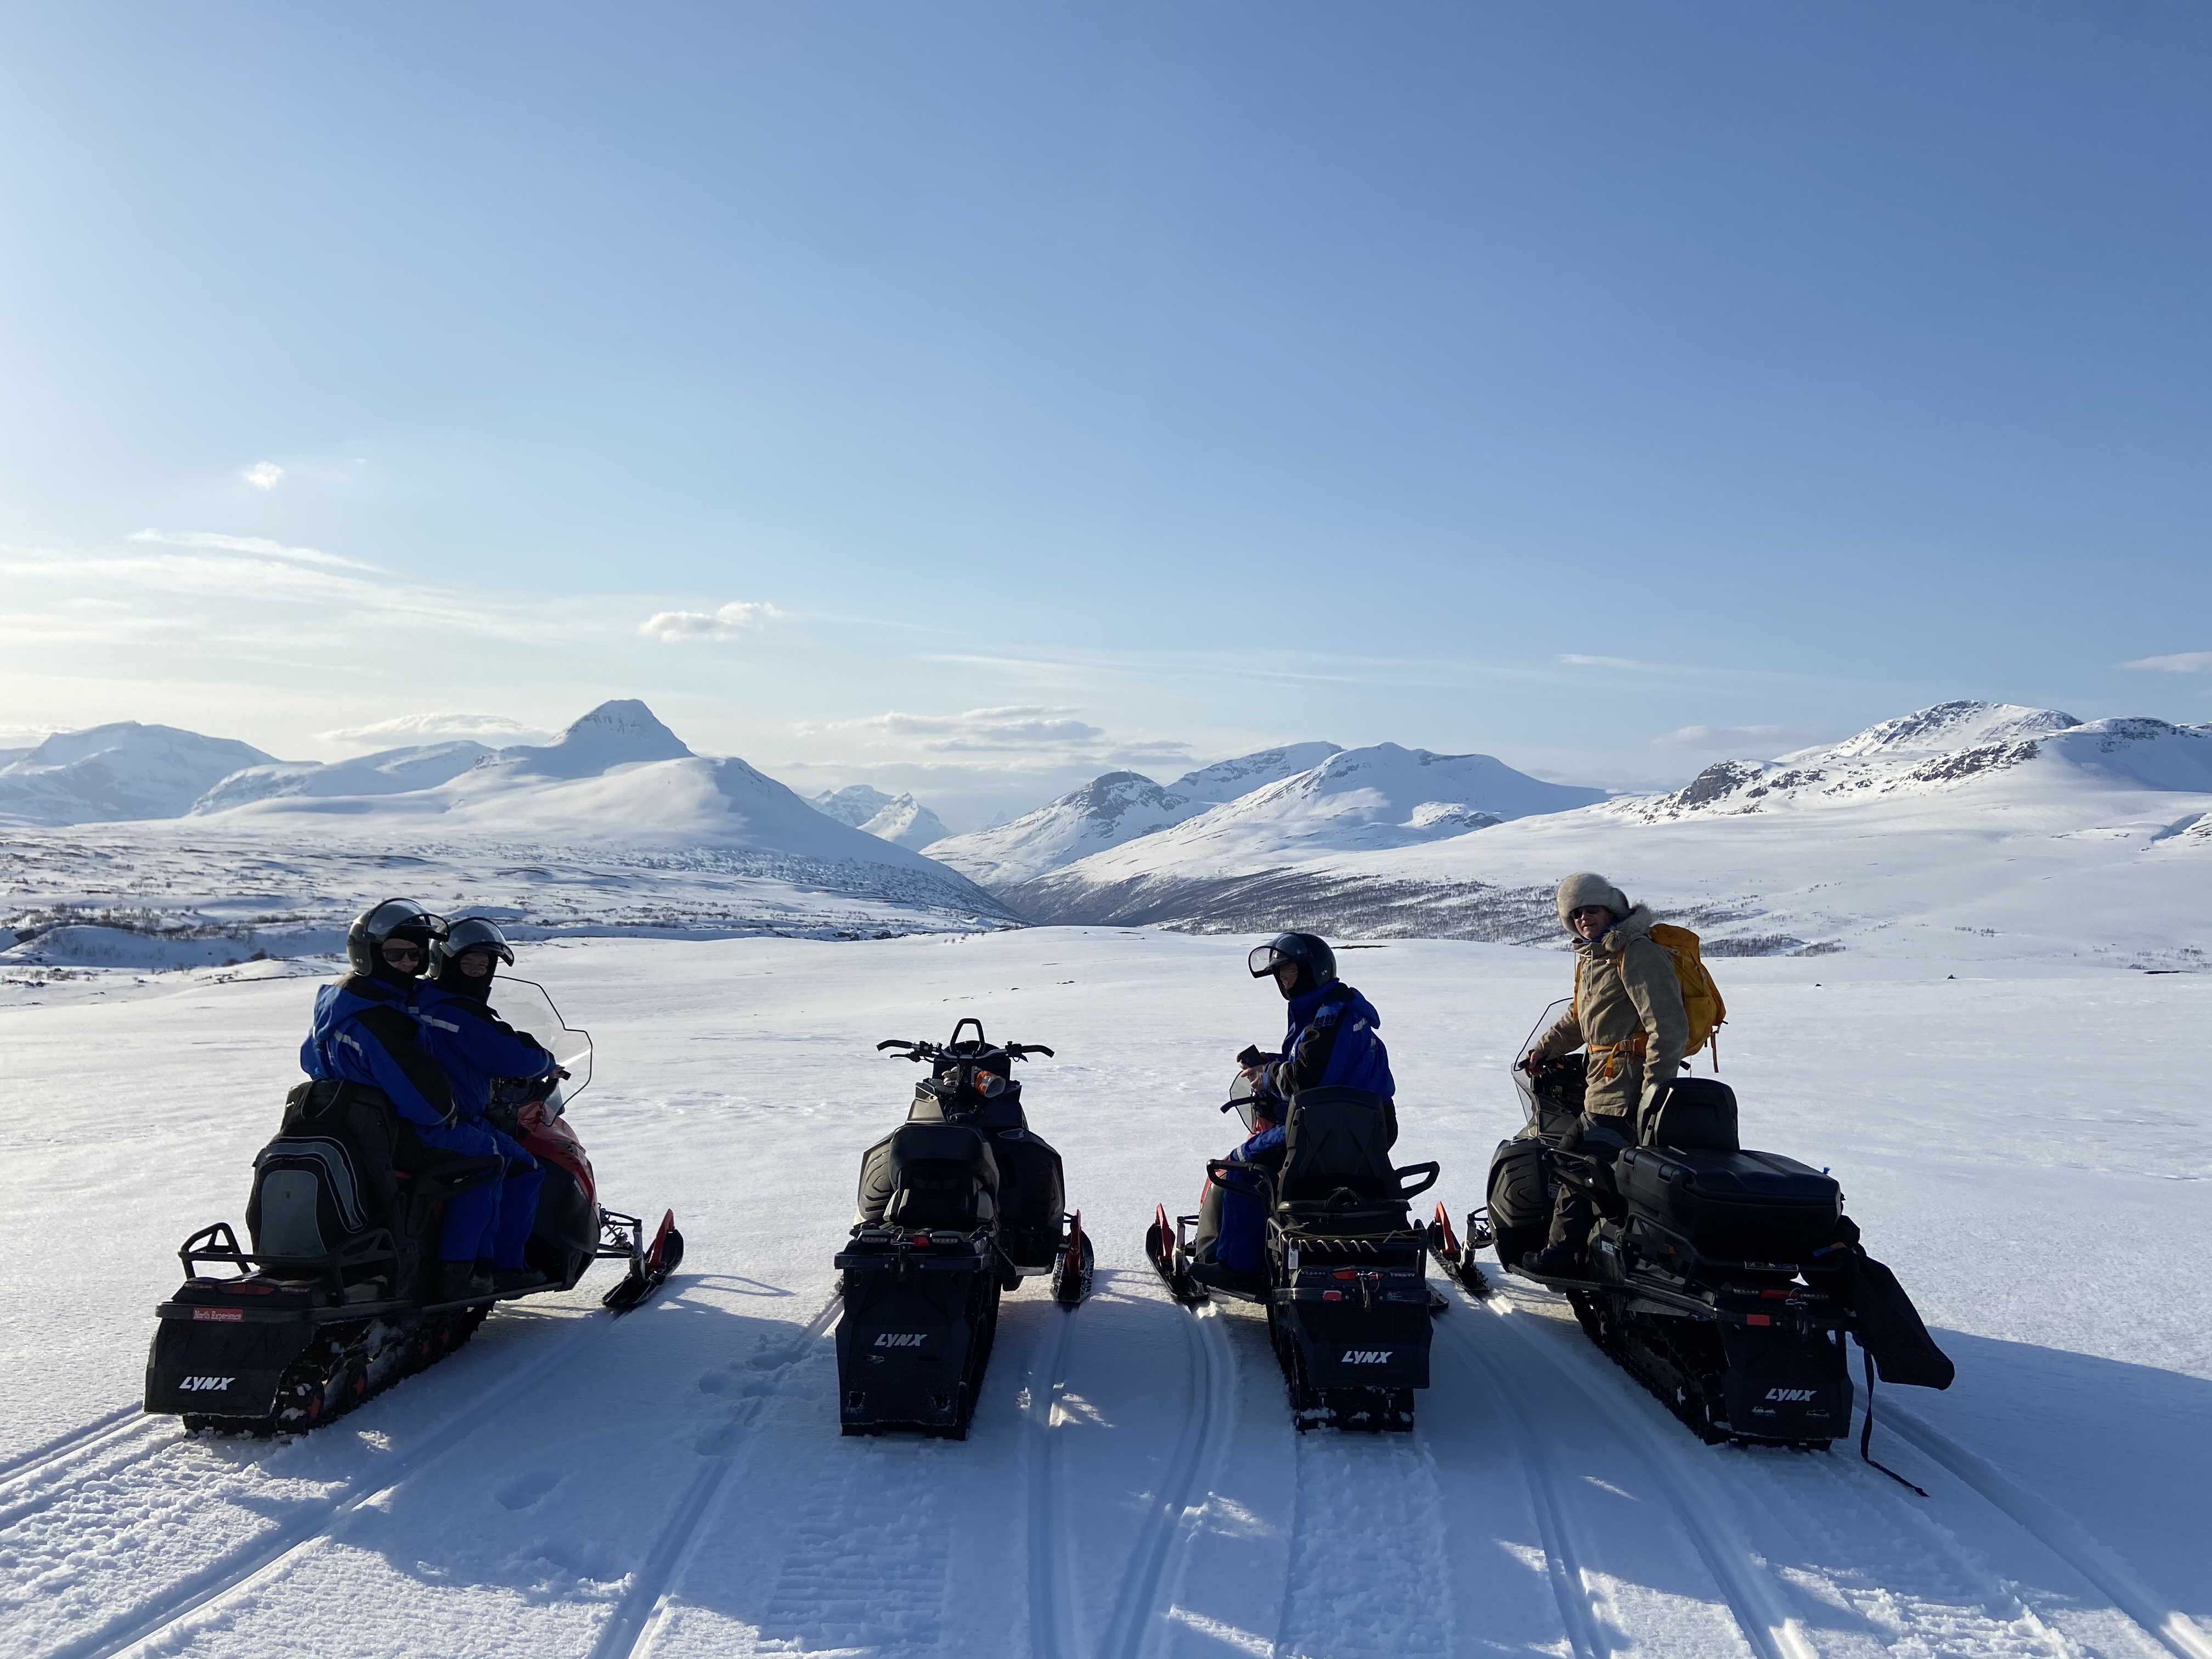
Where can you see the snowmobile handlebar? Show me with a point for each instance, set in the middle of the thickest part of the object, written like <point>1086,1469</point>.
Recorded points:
<point>933,1051</point>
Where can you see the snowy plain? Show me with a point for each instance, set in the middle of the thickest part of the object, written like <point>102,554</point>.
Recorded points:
<point>2018,1142</point>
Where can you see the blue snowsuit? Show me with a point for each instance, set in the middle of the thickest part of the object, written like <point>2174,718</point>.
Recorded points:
<point>1331,1043</point>
<point>369,1032</point>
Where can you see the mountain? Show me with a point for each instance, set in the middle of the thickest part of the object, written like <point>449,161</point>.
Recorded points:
<point>2033,835</point>
<point>905,822</point>
<point>124,770</point>
<point>1224,781</point>
<point>856,804</point>
<point>615,826</point>
<point>1105,812</point>
<point>899,818</point>
<point>1383,796</point>
<point>390,772</point>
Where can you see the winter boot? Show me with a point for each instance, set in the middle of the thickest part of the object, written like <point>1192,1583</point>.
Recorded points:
<point>459,1281</point>
<point>1554,1261</point>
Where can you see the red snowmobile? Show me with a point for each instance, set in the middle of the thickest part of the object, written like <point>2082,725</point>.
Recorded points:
<point>333,1302</point>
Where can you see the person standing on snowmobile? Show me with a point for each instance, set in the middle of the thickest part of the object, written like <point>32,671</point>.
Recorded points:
<point>370,1029</point>
<point>1627,1014</point>
<point>474,1046</point>
<point>1331,1041</point>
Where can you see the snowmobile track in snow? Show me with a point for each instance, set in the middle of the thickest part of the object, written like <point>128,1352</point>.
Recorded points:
<point>26,1487</point>
<point>1206,1426</point>
<point>1939,1595</point>
<point>172,1608</point>
<point>631,1628</point>
<point>1050,1638</point>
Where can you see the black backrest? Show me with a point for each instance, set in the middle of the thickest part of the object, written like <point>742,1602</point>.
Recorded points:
<point>307,1198</point>
<point>1696,1114</point>
<point>938,1173</point>
<point>1337,1137</point>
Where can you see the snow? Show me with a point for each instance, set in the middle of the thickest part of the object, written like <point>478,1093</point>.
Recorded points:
<point>1109,810</point>
<point>2078,842</point>
<point>905,822</point>
<point>673,1484</point>
<point>388,772</point>
<point>1224,781</point>
<point>125,770</point>
<point>615,825</point>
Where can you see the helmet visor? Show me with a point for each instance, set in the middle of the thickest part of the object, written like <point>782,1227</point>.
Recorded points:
<point>475,933</point>
<point>1270,956</point>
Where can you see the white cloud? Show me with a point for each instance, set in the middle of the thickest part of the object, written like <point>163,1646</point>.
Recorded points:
<point>401,729</point>
<point>1736,736</point>
<point>1574,660</point>
<point>262,474</point>
<point>726,623</point>
<point>2185,662</point>
<point>261,545</point>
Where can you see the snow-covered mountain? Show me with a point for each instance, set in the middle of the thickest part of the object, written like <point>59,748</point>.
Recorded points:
<point>906,823</point>
<point>124,770</point>
<point>1225,780</point>
<point>389,772</point>
<point>1112,809</point>
<point>2036,835</point>
<point>1105,812</point>
<point>615,825</point>
<point>900,819</point>
<point>856,804</point>
<point>1355,799</point>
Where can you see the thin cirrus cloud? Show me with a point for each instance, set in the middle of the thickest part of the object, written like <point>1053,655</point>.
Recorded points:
<point>404,729</point>
<point>1762,738</point>
<point>726,623</point>
<point>2183,662</point>
<point>262,474</point>
<point>1024,736</point>
<point>260,546</point>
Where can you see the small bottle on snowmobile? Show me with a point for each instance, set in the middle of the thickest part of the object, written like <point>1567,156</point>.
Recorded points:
<point>956,1206</point>
<point>1343,1275</point>
<point>334,1298</point>
<point>1724,1279</point>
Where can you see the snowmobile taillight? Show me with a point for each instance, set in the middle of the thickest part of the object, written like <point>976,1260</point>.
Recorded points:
<point>1347,1273</point>
<point>1332,1296</point>
<point>1758,1318</point>
<point>1775,1296</point>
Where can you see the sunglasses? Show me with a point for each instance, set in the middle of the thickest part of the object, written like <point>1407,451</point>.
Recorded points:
<point>1581,911</point>
<point>395,952</point>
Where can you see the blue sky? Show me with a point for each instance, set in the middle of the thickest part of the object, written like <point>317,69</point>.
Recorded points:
<point>1604,387</point>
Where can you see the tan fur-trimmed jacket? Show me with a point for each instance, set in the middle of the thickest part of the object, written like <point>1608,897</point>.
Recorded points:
<point>1628,1012</point>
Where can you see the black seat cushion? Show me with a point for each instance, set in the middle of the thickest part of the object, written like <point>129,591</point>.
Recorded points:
<point>1337,1139</point>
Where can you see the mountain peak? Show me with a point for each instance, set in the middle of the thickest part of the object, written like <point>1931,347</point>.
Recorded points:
<point>619,732</point>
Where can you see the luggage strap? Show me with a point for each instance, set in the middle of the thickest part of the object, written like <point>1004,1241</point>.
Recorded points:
<point>1866,1434</point>
<point>1636,1045</point>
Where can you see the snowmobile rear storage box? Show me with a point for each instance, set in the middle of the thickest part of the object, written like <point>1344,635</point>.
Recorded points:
<point>1733,1207</point>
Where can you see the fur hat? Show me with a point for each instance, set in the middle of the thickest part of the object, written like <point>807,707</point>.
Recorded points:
<point>1587,887</point>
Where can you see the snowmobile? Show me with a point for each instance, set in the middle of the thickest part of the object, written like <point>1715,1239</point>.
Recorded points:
<point>1345,1283</point>
<point>957,1205</point>
<point>1723,1279</point>
<point>333,1302</point>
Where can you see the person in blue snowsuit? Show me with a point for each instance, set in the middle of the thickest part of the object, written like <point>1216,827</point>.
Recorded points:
<point>1331,1041</point>
<point>375,1027</point>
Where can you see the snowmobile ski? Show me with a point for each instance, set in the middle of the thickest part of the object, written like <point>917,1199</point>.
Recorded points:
<point>1457,1257</point>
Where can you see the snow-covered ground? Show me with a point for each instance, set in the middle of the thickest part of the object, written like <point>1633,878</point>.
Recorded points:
<point>2025,1144</point>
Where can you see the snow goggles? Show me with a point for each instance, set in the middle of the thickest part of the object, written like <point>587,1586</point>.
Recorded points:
<point>1264,960</point>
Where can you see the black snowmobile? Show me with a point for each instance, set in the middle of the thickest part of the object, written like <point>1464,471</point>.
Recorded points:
<point>1724,1279</point>
<point>960,1203</point>
<point>1345,1281</point>
<point>333,1302</point>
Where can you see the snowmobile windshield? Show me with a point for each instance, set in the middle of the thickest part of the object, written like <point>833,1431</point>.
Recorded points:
<point>524,1004</point>
<point>1242,1097</point>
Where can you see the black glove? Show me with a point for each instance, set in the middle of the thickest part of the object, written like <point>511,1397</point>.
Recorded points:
<point>1251,1056</point>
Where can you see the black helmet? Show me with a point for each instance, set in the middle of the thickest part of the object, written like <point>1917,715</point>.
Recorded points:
<point>1308,950</point>
<point>469,934</point>
<point>393,919</point>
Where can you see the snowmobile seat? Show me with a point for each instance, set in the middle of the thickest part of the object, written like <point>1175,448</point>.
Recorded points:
<point>1334,1139</point>
<point>1733,1207</point>
<point>308,1200</point>
<point>929,1175</point>
<point>1694,1115</point>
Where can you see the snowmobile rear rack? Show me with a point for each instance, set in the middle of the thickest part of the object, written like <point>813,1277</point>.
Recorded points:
<point>219,1243</point>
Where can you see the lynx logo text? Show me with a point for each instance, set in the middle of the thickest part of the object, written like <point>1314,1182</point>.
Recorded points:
<point>1368,1356</point>
<point>900,1340</point>
<point>1789,1394</point>
<point>206,1384</point>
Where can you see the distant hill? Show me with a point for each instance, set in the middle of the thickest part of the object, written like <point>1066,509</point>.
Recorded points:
<point>124,770</point>
<point>900,819</point>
